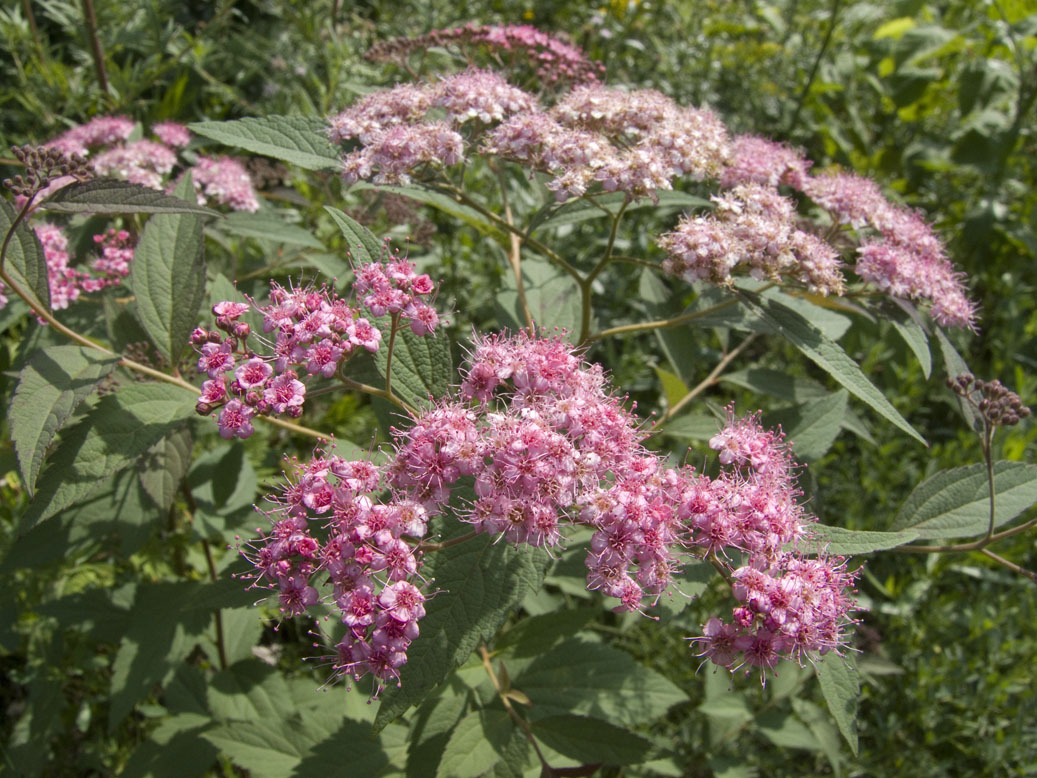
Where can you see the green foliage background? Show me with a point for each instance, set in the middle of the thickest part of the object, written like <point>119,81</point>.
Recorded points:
<point>934,100</point>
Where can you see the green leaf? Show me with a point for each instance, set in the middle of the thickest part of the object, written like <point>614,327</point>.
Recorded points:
<point>266,225</point>
<point>168,277</point>
<point>111,437</point>
<point>223,289</point>
<point>579,677</point>
<point>300,140</point>
<point>955,503</point>
<point>222,480</point>
<point>475,744</point>
<point>350,749</point>
<point>164,465</point>
<point>362,243</point>
<point>421,365</point>
<point>813,426</point>
<point>592,741</point>
<point>440,202</point>
<point>269,748</point>
<point>841,688</point>
<point>108,195</point>
<point>551,294</point>
<point>674,388</point>
<point>581,210</point>
<point>846,542</point>
<point>479,583</point>
<point>955,367</point>
<point>50,388</point>
<point>249,690</point>
<point>24,261</point>
<point>828,355</point>
<point>536,634</point>
<point>905,320</point>
<point>692,426</point>
<point>162,631</point>
<point>786,730</point>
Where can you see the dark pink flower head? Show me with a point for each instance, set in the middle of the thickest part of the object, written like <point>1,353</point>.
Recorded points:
<point>215,358</point>
<point>235,420</point>
<point>253,374</point>
<point>403,601</point>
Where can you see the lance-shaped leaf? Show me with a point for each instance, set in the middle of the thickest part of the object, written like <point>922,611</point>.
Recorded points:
<point>111,437</point>
<point>826,354</point>
<point>841,688</point>
<point>300,140</point>
<point>109,195</point>
<point>24,261</point>
<point>813,426</point>
<point>421,365</point>
<point>904,319</point>
<point>552,296</point>
<point>955,503</point>
<point>168,277</point>
<point>50,388</point>
<point>955,367</point>
<point>362,243</point>
<point>584,209</point>
<point>479,584</point>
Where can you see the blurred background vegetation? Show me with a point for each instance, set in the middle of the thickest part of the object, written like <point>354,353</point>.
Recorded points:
<point>935,100</point>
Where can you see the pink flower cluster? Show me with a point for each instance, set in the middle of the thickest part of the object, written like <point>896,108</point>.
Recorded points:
<point>754,227</point>
<point>67,283</point>
<point>226,182</point>
<point>901,255</point>
<point>315,332</point>
<point>553,60</point>
<point>104,142</point>
<point>544,446</point>
<point>633,142</point>
<point>368,560</point>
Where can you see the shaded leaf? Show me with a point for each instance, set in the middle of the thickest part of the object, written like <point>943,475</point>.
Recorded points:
<point>50,388</point>
<point>579,677</point>
<point>109,195</point>
<point>440,202</point>
<point>118,430</point>
<point>590,740</point>
<point>904,319</point>
<point>480,582</point>
<point>813,427</point>
<point>24,261</point>
<point>164,465</point>
<point>552,296</point>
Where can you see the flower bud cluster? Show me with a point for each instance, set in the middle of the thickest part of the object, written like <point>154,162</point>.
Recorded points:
<point>999,406</point>
<point>315,331</point>
<point>330,529</point>
<point>44,166</point>
<point>553,60</point>
<point>753,227</point>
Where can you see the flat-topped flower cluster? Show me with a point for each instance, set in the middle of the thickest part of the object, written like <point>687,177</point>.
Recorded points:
<point>596,139</point>
<point>554,61</point>
<point>106,146</point>
<point>541,446</point>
